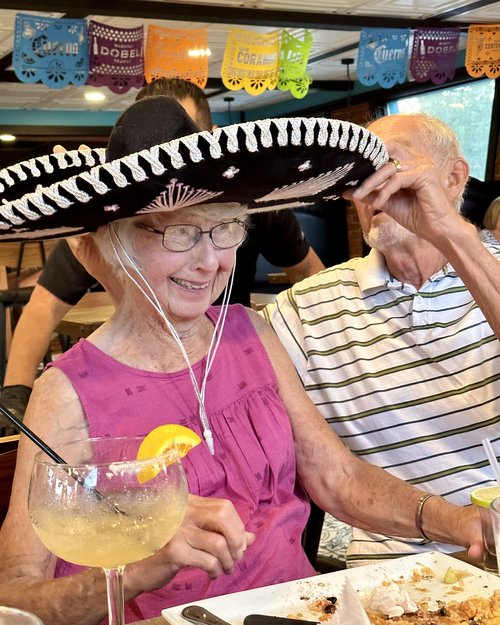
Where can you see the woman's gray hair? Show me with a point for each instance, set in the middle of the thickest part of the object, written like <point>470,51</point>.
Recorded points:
<point>490,218</point>
<point>122,232</point>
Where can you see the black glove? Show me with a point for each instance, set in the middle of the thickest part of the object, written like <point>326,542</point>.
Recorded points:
<point>15,398</point>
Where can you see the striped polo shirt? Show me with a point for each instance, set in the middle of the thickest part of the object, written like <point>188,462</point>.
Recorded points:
<point>408,378</point>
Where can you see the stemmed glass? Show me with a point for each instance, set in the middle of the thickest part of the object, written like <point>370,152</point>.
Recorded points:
<point>103,508</point>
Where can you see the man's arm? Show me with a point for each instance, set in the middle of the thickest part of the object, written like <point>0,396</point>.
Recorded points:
<point>307,267</point>
<point>352,490</point>
<point>479,270</point>
<point>31,339</point>
<point>61,285</point>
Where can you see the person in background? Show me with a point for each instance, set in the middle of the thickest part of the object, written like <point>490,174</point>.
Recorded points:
<point>399,350</point>
<point>491,220</point>
<point>169,354</point>
<point>63,282</point>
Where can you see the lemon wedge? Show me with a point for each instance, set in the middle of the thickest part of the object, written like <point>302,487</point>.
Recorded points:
<point>160,441</point>
<point>485,495</point>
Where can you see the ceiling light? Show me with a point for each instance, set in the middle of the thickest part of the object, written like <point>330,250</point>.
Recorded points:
<point>94,96</point>
<point>197,52</point>
<point>7,137</point>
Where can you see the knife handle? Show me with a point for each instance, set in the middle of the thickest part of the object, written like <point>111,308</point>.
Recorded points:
<point>263,619</point>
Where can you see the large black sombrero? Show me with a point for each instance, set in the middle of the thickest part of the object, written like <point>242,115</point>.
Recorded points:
<point>157,159</point>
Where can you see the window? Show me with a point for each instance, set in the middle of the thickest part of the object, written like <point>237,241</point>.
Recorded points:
<point>466,108</point>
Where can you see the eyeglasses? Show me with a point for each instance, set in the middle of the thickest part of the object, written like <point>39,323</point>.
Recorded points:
<point>183,237</point>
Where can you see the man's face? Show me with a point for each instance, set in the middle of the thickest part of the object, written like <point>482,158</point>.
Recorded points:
<point>379,230</point>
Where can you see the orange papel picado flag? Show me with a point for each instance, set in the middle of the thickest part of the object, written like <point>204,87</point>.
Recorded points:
<point>177,53</point>
<point>483,50</point>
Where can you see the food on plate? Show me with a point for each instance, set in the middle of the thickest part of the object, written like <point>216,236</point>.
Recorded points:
<point>427,599</point>
<point>473,611</point>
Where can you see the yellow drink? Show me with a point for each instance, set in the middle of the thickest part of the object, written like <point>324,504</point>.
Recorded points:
<point>99,536</point>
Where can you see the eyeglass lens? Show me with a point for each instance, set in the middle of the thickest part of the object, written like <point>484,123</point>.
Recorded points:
<point>183,237</point>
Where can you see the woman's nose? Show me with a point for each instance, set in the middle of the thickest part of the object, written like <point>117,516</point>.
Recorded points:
<point>205,251</point>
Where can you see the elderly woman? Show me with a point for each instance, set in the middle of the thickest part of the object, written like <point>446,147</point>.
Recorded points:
<point>491,219</point>
<point>167,355</point>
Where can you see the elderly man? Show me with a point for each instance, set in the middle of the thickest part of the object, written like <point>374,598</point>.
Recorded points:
<point>398,349</point>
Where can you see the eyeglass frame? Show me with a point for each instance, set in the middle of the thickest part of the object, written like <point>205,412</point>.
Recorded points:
<point>201,232</point>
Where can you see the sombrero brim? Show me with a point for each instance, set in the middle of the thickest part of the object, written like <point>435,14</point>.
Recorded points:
<point>267,165</point>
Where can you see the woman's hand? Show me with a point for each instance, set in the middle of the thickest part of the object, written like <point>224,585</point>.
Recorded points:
<point>212,537</point>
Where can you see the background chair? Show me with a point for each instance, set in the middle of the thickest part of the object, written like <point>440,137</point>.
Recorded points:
<point>8,455</point>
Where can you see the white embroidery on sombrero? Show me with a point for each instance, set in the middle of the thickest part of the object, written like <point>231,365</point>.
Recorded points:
<point>381,156</point>
<point>230,172</point>
<point>177,195</point>
<point>281,125</point>
<point>59,200</point>
<point>331,197</point>
<point>112,208</point>
<point>266,138</point>
<point>194,150</point>
<point>309,187</point>
<point>354,142</point>
<point>38,201</point>
<point>71,187</point>
<point>20,171</point>
<point>265,208</point>
<point>118,177</point>
<point>172,149</point>
<point>36,167</point>
<point>213,140</point>
<point>304,166</point>
<point>370,147</point>
<point>344,135</point>
<point>92,177</point>
<point>333,136</point>
<point>152,157</point>
<point>250,138</point>
<point>363,140</point>
<point>7,178</point>
<point>45,161</point>
<point>231,133</point>
<point>8,213</point>
<point>310,127</point>
<point>296,138</point>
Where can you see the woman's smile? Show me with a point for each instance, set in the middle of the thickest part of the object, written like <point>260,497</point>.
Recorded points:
<point>190,286</point>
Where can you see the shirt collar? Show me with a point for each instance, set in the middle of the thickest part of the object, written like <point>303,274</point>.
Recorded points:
<point>372,273</point>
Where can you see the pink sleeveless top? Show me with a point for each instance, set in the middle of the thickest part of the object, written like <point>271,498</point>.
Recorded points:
<point>254,463</point>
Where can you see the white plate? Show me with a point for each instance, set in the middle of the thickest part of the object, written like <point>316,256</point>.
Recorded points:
<point>293,598</point>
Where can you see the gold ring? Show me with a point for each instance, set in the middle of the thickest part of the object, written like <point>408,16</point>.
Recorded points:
<point>397,165</point>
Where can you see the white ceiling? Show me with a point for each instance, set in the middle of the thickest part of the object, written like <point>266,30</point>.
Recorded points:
<point>20,96</point>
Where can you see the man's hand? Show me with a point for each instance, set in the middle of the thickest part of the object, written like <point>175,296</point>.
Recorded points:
<point>414,192</point>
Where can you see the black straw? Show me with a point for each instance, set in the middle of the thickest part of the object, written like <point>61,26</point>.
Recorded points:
<point>31,435</point>
<point>51,453</point>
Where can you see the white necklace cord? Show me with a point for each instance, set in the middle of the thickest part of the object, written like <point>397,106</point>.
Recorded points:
<point>216,336</point>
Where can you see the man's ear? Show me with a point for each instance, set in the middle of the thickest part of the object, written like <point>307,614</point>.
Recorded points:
<point>457,177</point>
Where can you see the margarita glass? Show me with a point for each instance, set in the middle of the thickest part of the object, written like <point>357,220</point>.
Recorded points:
<point>104,508</point>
